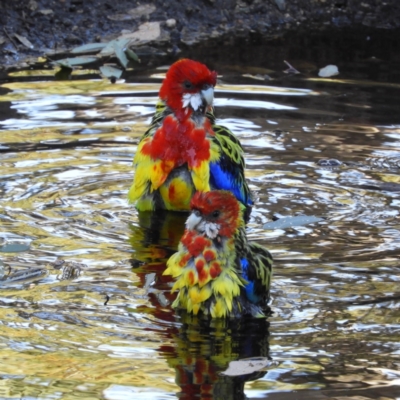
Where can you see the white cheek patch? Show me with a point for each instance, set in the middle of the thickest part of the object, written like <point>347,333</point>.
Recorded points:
<point>197,223</point>
<point>211,229</point>
<point>194,100</point>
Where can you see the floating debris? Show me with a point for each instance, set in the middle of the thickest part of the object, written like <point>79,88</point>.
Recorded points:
<point>329,162</point>
<point>28,274</point>
<point>328,71</point>
<point>14,247</point>
<point>258,77</point>
<point>291,69</point>
<point>247,366</point>
<point>70,270</point>
<point>289,222</point>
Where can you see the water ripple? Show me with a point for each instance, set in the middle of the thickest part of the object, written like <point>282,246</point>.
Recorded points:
<point>96,321</point>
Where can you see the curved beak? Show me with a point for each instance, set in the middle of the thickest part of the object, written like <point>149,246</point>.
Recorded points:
<point>208,95</point>
<point>193,221</point>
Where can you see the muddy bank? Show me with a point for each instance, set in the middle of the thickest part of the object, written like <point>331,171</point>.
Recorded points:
<point>34,27</point>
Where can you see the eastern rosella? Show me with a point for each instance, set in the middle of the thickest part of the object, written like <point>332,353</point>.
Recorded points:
<point>217,271</point>
<point>184,151</point>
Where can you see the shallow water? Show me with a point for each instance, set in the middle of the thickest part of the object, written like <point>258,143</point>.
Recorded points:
<point>99,325</point>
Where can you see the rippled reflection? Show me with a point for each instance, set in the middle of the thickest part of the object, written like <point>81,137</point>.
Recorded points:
<point>84,308</point>
<point>202,351</point>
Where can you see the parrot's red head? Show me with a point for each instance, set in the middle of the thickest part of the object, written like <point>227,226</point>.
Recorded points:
<point>188,85</point>
<point>215,213</point>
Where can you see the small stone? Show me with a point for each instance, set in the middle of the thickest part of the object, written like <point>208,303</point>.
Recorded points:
<point>171,23</point>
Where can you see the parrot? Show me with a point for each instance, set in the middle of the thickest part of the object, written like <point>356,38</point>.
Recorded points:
<point>217,272</point>
<point>184,150</point>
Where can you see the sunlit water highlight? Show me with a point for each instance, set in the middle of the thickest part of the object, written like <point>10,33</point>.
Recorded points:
<point>100,326</point>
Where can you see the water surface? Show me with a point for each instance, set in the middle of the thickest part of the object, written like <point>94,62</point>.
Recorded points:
<point>84,309</point>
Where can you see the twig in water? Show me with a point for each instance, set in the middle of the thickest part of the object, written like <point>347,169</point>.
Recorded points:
<point>291,69</point>
<point>11,40</point>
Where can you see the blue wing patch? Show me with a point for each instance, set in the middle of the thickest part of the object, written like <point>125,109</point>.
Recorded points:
<point>223,179</point>
<point>249,287</point>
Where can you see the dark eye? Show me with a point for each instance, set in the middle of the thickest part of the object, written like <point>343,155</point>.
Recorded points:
<point>187,85</point>
<point>216,213</point>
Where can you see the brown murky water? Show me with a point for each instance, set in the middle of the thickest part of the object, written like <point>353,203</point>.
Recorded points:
<point>98,325</point>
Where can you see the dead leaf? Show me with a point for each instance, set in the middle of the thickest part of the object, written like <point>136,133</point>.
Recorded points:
<point>75,61</point>
<point>89,48</point>
<point>146,33</point>
<point>132,55</point>
<point>109,71</point>
<point>109,49</point>
<point>119,47</point>
<point>24,41</point>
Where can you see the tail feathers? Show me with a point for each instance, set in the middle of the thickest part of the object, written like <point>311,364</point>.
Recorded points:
<point>259,271</point>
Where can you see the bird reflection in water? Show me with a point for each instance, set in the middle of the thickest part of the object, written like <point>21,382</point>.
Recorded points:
<point>199,349</point>
<point>153,241</point>
<point>157,235</point>
<point>203,349</point>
